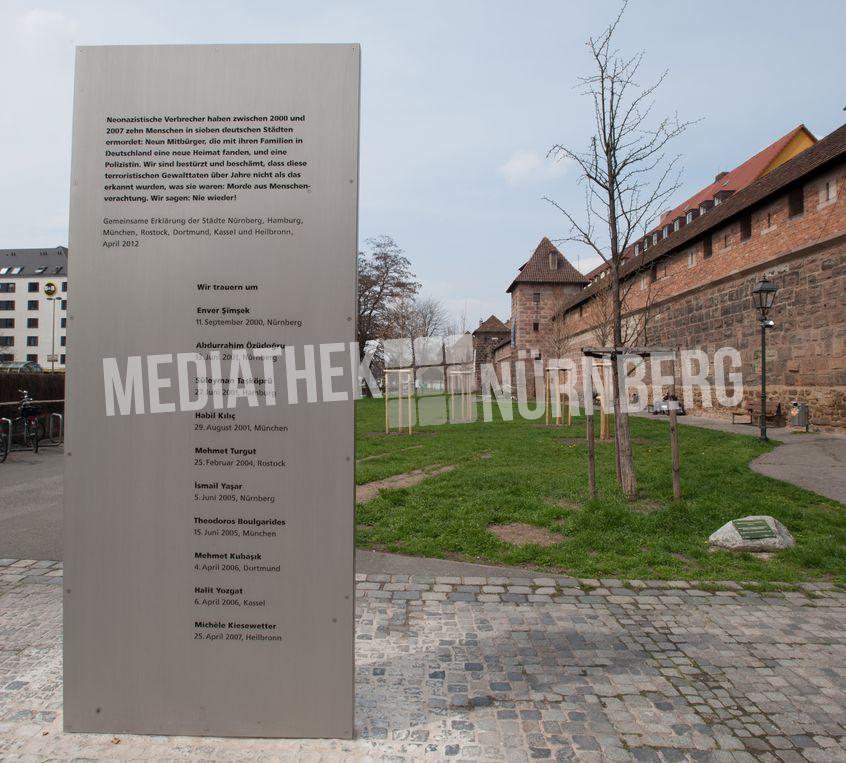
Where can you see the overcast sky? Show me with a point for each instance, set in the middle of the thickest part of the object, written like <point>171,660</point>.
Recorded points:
<point>460,103</point>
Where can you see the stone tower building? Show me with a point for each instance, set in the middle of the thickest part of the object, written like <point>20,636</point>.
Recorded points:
<point>485,338</point>
<point>545,282</point>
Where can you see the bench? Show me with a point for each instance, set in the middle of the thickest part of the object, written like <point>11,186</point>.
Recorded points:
<point>752,409</point>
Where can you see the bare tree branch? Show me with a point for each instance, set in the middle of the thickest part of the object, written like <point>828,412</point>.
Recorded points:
<point>628,179</point>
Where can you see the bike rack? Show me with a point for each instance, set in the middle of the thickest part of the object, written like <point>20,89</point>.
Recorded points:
<point>56,418</point>
<point>8,425</point>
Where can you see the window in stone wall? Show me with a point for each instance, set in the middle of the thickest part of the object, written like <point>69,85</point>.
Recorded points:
<point>707,248</point>
<point>691,258</point>
<point>536,326</point>
<point>536,297</point>
<point>827,191</point>
<point>796,201</point>
<point>746,227</point>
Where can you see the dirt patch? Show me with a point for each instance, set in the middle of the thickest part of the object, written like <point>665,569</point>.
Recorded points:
<point>368,491</point>
<point>642,441</point>
<point>570,440</point>
<point>385,455</point>
<point>519,534</point>
<point>486,456</point>
<point>401,433</point>
<point>646,506</point>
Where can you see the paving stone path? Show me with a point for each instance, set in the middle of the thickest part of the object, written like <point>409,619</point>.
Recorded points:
<point>505,669</point>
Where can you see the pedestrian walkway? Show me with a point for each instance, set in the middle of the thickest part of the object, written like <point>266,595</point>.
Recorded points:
<point>498,668</point>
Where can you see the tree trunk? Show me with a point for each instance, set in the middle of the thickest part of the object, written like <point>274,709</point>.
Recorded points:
<point>625,462</point>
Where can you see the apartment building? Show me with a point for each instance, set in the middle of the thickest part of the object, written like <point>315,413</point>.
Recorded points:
<point>33,306</point>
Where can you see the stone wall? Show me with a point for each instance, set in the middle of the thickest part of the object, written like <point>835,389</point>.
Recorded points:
<point>704,302</point>
<point>806,348</point>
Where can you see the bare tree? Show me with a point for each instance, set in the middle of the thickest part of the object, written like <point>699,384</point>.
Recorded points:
<point>415,317</point>
<point>385,282</point>
<point>627,179</point>
<point>561,336</point>
<point>635,320</point>
<point>429,317</point>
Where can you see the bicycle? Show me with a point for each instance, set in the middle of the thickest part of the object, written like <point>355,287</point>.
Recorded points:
<point>30,429</point>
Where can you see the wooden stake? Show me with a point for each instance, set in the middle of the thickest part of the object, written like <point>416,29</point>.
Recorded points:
<point>387,399</point>
<point>399,403</point>
<point>547,395</point>
<point>558,396</point>
<point>674,448</point>
<point>591,457</point>
<point>410,393</point>
<point>674,439</point>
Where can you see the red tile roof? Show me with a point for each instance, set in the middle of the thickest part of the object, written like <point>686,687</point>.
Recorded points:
<point>492,325</point>
<point>735,180</point>
<point>826,151</point>
<point>537,269</point>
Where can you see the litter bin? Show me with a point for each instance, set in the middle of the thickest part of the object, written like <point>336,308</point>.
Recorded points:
<point>799,415</point>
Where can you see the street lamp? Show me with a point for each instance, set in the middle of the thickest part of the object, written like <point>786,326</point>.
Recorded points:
<point>763,294</point>
<point>53,341</point>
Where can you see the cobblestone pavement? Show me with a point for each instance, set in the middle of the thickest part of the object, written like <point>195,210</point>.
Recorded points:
<point>503,669</point>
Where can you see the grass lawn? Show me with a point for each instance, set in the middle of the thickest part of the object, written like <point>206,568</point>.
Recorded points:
<point>522,472</point>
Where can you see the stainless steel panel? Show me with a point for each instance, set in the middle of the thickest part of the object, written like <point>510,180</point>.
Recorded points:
<point>133,660</point>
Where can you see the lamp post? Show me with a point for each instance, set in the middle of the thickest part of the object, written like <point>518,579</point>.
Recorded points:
<point>53,341</point>
<point>763,293</point>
